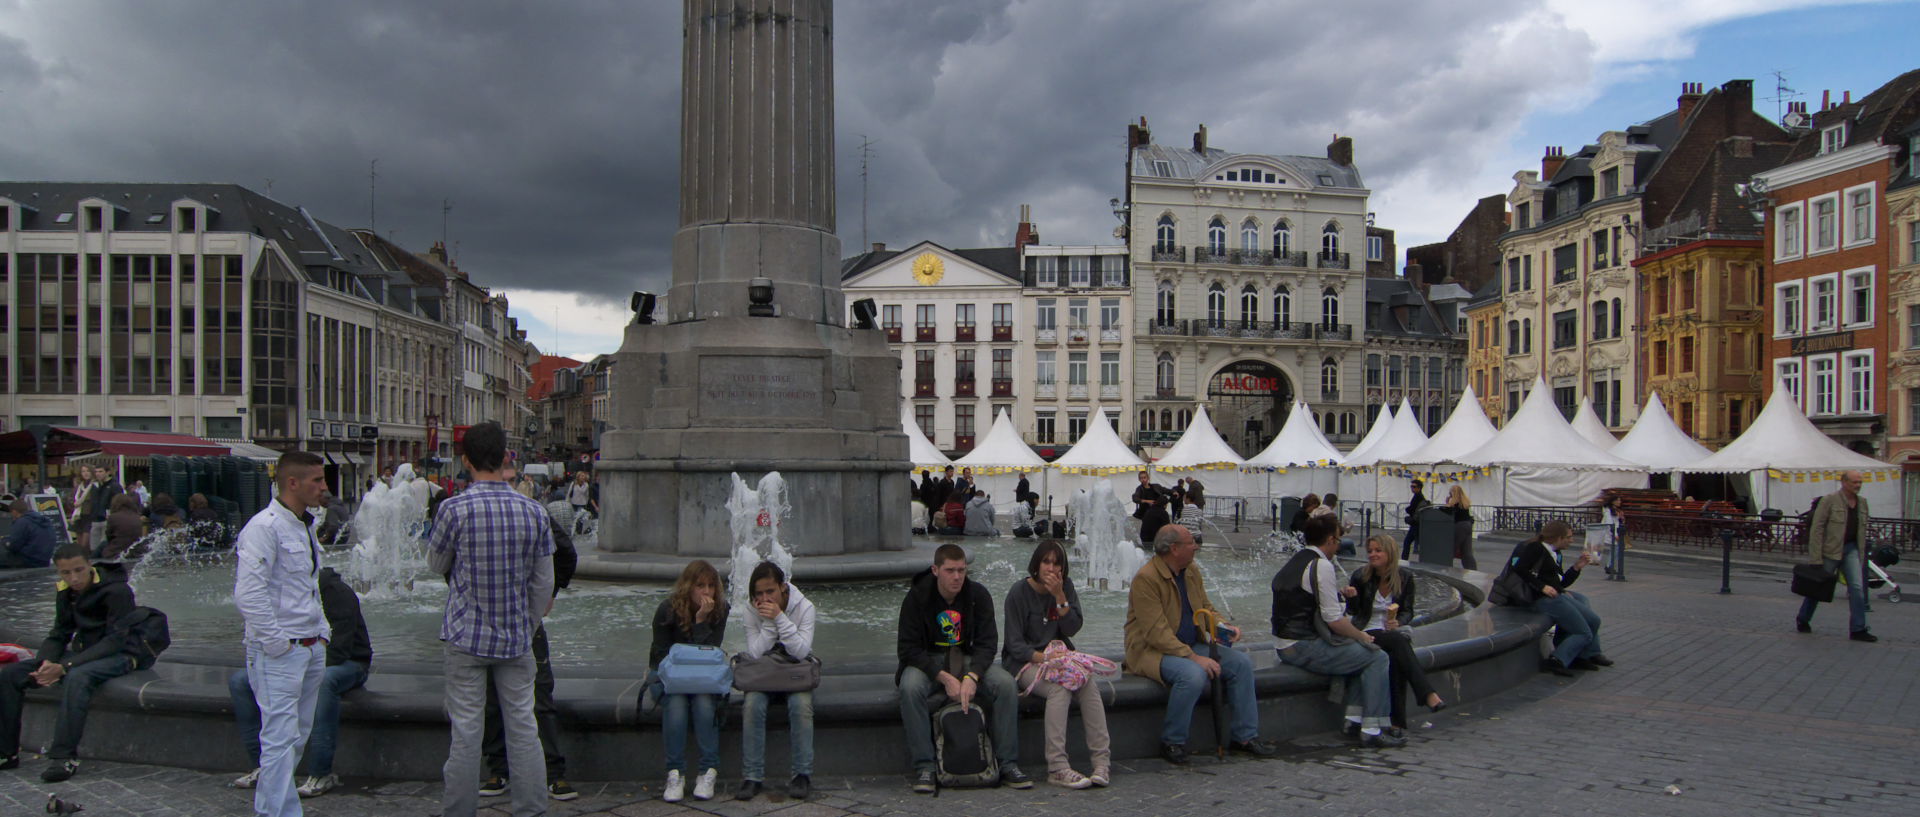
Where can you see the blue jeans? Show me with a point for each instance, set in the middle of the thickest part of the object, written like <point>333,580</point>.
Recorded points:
<point>753,734</point>
<point>1853,572</point>
<point>706,730</point>
<point>1368,674</point>
<point>76,691</point>
<point>335,682</point>
<point>998,696</point>
<point>1576,627</point>
<point>1185,681</point>
<point>286,688</point>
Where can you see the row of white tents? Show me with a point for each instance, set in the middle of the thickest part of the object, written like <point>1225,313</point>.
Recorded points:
<point>1538,458</point>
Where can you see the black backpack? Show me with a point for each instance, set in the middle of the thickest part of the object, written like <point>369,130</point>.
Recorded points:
<point>146,636</point>
<point>963,749</point>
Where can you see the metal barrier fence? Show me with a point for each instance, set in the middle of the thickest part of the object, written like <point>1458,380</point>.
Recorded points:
<point>1754,533</point>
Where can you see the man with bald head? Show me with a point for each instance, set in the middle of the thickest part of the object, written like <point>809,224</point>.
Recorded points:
<point>1835,541</point>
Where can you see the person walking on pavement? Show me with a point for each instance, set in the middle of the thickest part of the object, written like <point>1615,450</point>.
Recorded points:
<point>1834,541</point>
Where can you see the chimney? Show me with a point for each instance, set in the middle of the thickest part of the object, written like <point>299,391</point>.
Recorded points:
<point>1689,96</point>
<point>1024,233</point>
<point>1340,150</point>
<point>1138,136</point>
<point>1826,100</point>
<point>879,246</point>
<point>1200,140</point>
<point>1846,97</point>
<point>1551,161</point>
<point>438,252</point>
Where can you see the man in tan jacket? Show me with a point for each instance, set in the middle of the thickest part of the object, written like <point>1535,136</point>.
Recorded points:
<point>1165,644</point>
<point>1836,539</point>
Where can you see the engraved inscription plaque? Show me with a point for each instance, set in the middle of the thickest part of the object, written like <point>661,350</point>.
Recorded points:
<point>760,387</point>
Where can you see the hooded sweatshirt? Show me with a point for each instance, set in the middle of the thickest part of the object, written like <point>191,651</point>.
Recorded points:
<point>83,620</point>
<point>791,630</point>
<point>931,627</point>
<point>980,517</point>
<point>32,538</point>
<point>342,608</point>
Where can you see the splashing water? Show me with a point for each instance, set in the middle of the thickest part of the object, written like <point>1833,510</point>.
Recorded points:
<point>755,519</point>
<point>1104,538</point>
<point>180,545</point>
<point>389,550</point>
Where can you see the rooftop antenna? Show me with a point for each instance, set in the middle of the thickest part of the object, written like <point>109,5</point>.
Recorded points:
<point>269,187</point>
<point>373,176</point>
<point>446,206</point>
<point>866,152</point>
<point>1782,94</point>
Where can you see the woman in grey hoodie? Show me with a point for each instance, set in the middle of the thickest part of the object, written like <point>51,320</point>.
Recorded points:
<point>980,516</point>
<point>778,620</point>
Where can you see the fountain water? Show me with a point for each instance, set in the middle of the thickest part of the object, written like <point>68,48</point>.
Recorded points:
<point>388,552</point>
<point>755,515</point>
<point>1103,537</point>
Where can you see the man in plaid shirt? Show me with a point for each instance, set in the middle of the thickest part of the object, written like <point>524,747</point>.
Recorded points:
<point>495,549</point>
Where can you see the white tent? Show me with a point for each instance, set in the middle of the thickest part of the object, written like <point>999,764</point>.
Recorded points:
<point>920,450</point>
<point>1198,449</point>
<point>1655,442</point>
<point>1001,450</point>
<point>1465,430</point>
<point>1382,423</point>
<point>1299,461</point>
<point>1403,437</point>
<point>1545,462</point>
<point>1588,424</point>
<point>1099,451</point>
<point>1792,462</point>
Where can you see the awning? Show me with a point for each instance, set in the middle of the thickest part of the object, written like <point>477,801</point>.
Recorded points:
<point>64,441</point>
<point>257,453</point>
<point>352,457</point>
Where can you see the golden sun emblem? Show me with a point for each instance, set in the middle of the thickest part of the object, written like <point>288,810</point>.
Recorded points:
<point>928,268</point>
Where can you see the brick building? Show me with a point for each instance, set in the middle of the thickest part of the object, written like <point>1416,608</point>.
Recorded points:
<point>1470,256</point>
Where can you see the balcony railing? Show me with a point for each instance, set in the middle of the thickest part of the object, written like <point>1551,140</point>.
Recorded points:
<point>1163,252</point>
<point>923,333</point>
<point>963,387</point>
<point>893,333</point>
<point>1077,335</point>
<point>1327,331</point>
<point>1292,258</point>
<point>1109,391</point>
<point>1076,391</point>
<point>1045,390</point>
<point>923,388</point>
<point>1107,279</point>
<point>1003,387</point>
<point>1207,255</point>
<point>1002,332</point>
<point>1110,334</point>
<point>1167,327</point>
<point>1046,337</point>
<point>1330,395</point>
<point>1207,328</point>
<point>963,333</point>
<point>1333,260</point>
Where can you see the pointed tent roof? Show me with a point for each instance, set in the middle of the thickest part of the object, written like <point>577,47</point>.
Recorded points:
<point>1538,436</point>
<point>920,450</point>
<point>1199,448</point>
<point>1299,442</point>
<point>1382,423</point>
<point>1403,438</point>
<point>1655,442</point>
<point>1465,430</point>
<point>1588,424</point>
<point>1099,451</point>
<point>1783,439</point>
<point>1001,450</point>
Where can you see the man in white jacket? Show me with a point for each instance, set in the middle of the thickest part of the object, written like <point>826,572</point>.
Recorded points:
<point>778,620</point>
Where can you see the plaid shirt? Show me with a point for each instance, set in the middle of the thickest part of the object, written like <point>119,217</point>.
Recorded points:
<point>496,537</point>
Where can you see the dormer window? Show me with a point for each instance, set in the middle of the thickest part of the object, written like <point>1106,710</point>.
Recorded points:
<point>1833,138</point>
<point>188,220</point>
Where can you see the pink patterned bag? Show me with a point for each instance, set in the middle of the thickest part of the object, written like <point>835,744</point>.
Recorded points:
<point>1069,668</point>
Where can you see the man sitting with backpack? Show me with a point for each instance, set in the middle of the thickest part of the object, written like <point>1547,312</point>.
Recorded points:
<point>948,637</point>
<point>86,647</point>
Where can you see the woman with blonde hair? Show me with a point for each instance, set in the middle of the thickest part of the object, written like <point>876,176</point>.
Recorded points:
<point>694,613</point>
<point>1460,507</point>
<point>1380,601</point>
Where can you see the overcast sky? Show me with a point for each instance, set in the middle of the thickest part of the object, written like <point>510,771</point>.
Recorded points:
<point>552,127</point>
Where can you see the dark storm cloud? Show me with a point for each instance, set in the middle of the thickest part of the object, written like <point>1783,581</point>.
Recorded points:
<point>552,127</point>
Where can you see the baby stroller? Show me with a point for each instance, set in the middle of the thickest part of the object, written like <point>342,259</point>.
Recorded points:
<point>1878,560</point>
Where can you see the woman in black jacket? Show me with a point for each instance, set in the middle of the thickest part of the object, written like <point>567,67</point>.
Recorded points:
<point>694,613</point>
<point>1380,601</point>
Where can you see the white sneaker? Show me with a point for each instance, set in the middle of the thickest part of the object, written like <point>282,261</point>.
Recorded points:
<point>703,785</point>
<point>316,786</point>
<point>246,781</point>
<point>676,787</point>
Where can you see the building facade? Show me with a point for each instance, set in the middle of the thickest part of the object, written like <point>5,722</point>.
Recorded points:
<point>1249,287</point>
<point>1903,222</point>
<point>1416,344</point>
<point>1470,256</point>
<point>1486,327</point>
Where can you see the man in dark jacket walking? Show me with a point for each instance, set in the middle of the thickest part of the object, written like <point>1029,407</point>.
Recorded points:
<point>31,540</point>
<point>1414,505</point>
<point>349,659</point>
<point>85,649</point>
<point>948,637</point>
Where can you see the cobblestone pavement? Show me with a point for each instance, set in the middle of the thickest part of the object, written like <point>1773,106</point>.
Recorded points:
<point>1715,698</point>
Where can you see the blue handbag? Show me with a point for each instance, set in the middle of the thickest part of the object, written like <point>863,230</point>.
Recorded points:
<point>696,669</point>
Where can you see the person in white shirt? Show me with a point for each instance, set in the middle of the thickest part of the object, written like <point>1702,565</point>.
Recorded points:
<point>778,620</point>
<point>1310,621</point>
<point>277,589</point>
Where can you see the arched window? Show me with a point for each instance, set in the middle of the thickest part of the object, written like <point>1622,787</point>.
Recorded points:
<point>1217,305</point>
<point>1330,308</point>
<point>1186,418</point>
<point>1250,236</point>
<point>1347,423</point>
<point>1217,236</point>
<point>1513,337</point>
<point>1329,379</point>
<point>1526,335</point>
<point>1163,373</point>
<point>1163,303</point>
<point>1249,305</point>
<point>1616,318</point>
<point>1282,237</point>
<point>1146,420</point>
<point>1282,306</point>
<point>1327,422</point>
<point>1329,240</point>
<point>1599,320</point>
<point>1163,235</point>
<point>1166,418</point>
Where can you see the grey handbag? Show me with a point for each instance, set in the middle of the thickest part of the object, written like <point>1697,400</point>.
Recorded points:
<point>775,672</point>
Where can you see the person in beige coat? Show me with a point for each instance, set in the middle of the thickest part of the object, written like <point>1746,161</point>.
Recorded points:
<point>1165,644</point>
<point>1836,539</point>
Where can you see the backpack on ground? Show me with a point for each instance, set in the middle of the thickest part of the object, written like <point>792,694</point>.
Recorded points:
<point>962,749</point>
<point>146,636</point>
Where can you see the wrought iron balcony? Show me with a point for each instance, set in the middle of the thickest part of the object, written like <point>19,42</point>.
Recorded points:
<point>1333,260</point>
<point>1077,335</point>
<point>1046,337</point>
<point>1290,258</point>
<point>1110,334</point>
<point>1165,253</point>
<point>1327,331</point>
<point>1167,327</point>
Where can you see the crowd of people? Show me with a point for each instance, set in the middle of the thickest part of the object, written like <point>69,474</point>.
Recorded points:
<point>102,517</point>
